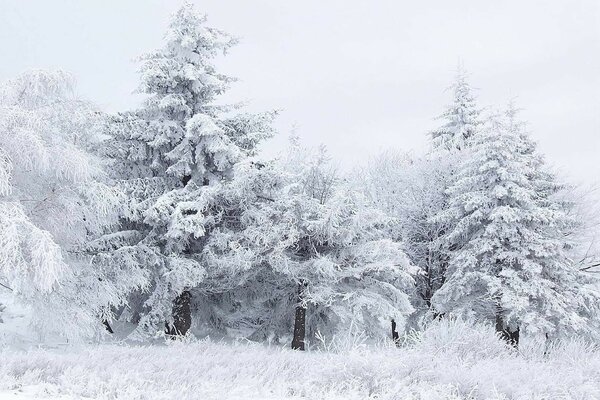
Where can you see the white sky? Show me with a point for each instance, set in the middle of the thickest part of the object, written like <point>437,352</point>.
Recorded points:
<point>358,76</point>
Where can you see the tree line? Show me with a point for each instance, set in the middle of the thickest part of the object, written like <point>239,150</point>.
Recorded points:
<point>166,218</point>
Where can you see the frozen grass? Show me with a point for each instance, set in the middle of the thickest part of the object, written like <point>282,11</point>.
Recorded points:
<point>450,360</point>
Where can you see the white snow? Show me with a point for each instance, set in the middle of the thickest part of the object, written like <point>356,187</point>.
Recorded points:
<point>450,360</point>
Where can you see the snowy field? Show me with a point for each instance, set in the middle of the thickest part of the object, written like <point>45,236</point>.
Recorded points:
<point>448,361</point>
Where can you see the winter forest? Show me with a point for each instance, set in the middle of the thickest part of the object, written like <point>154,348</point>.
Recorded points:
<point>155,252</point>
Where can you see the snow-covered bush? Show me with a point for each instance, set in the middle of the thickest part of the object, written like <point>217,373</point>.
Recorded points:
<point>463,339</point>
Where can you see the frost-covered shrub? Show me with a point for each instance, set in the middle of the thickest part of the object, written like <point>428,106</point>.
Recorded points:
<point>463,339</point>
<point>573,350</point>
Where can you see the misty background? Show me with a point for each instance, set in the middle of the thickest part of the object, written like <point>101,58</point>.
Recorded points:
<point>358,76</point>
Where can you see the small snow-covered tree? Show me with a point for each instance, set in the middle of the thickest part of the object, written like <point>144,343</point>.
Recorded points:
<point>461,118</point>
<point>510,263</point>
<point>306,249</point>
<point>52,201</point>
<point>412,190</point>
<point>171,156</point>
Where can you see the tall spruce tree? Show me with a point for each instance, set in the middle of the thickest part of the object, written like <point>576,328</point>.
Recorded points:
<point>510,263</point>
<point>171,156</point>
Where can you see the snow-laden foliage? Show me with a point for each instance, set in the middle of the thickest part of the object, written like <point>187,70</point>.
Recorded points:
<point>171,156</point>
<point>510,261</point>
<point>461,117</point>
<point>303,238</point>
<point>181,134</point>
<point>51,201</point>
<point>412,191</point>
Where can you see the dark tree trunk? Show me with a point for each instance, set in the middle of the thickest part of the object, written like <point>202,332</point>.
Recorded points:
<point>510,336</point>
<point>182,314</point>
<point>546,347</point>
<point>513,337</point>
<point>299,321</point>
<point>182,311</point>
<point>107,326</point>
<point>395,335</point>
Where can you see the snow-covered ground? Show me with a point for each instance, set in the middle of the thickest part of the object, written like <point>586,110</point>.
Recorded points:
<point>451,360</point>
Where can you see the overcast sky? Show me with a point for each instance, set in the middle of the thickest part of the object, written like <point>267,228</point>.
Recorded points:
<point>358,76</point>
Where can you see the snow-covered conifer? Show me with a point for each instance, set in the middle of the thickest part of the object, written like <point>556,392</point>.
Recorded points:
<point>461,117</point>
<point>416,191</point>
<point>510,263</point>
<point>171,155</point>
<point>307,249</point>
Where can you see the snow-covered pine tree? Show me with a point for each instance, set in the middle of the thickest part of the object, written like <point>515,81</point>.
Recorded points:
<point>510,263</point>
<point>313,251</point>
<point>461,117</point>
<point>52,201</point>
<point>571,223</point>
<point>171,156</point>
